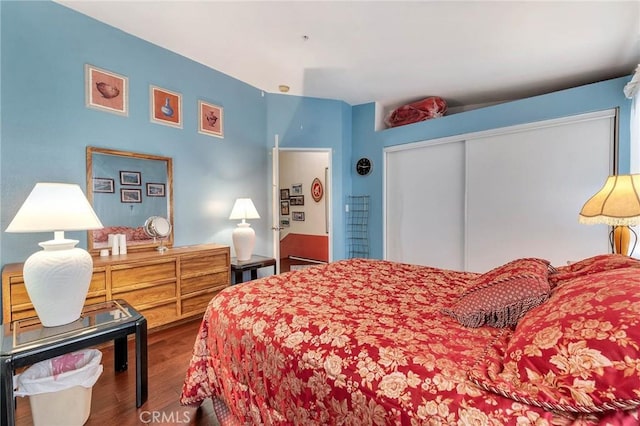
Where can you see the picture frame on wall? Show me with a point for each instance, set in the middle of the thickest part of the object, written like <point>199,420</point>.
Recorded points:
<point>106,90</point>
<point>103,185</point>
<point>284,194</point>
<point>284,208</point>
<point>297,216</point>
<point>210,119</point>
<point>284,222</point>
<point>297,200</point>
<point>166,107</point>
<point>296,189</point>
<point>155,189</point>
<point>130,178</point>
<point>317,190</point>
<point>130,195</point>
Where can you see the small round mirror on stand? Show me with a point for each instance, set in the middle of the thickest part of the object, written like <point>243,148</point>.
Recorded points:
<point>158,227</point>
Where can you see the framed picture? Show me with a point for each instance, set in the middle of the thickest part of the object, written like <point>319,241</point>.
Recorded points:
<point>129,178</point>
<point>296,189</point>
<point>297,216</point>
<point>155,190</point>
<point>210,119</point>
<point>284,208</point>
<point>130,195</point>
<point>284,194</point>
<point>297,200</point>
<point>103,185</point>
<point>317,190</point>
<point>166,107</point>
<point>284,222</point>
<point>106,90</point>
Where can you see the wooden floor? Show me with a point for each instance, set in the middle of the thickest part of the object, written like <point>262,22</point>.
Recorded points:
<point>114,395</point>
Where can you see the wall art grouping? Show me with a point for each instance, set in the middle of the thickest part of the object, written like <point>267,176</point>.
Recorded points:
<point>108,91</point>
<point>129,179</point>
<point>295,197</point>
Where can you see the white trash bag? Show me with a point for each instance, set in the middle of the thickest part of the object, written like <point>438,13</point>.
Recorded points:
<point>59,389</point>
<point>80,368</point>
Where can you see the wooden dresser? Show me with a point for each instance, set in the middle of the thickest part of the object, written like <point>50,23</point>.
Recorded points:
<point>165,288</point>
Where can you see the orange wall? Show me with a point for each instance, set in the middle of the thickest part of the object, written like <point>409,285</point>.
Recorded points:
<point>314,247</point>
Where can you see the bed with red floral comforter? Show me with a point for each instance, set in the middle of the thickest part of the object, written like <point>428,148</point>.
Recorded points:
<point>371,342</point>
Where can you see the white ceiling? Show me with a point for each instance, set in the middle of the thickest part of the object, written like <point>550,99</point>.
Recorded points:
<point>468,52</point>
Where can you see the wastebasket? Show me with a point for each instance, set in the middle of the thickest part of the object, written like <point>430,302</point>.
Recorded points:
<point>59,389</point>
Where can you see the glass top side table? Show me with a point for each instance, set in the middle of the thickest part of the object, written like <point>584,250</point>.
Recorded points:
<point>26,341</point>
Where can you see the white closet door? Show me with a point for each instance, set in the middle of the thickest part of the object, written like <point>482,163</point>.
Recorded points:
<point>525,190</point>
<point>424,205</point>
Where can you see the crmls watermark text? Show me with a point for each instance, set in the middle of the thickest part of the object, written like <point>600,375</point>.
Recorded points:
<point>174,417</point>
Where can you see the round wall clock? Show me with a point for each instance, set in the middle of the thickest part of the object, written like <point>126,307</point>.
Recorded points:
<point>363,166</point>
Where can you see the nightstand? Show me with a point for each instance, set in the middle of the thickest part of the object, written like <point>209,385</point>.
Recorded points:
<point>256,262</point>
<point>25,341</point>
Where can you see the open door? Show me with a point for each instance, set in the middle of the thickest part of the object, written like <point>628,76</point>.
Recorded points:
<point>303,207</point>
<point>275,208</point>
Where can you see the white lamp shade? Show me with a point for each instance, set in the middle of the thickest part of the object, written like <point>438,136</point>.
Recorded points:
<point>55,207</point>
<point>57,278</point>
<point>243,209</point>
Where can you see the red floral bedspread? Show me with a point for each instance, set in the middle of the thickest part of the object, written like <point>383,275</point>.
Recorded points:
<point>352,342</point>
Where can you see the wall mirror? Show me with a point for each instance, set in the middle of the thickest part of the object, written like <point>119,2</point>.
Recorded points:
<point>125,189</point>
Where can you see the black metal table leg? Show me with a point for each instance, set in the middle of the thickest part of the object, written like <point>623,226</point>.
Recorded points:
<point>142,385</point>
<point>120,354</point>
<point>7,406</point>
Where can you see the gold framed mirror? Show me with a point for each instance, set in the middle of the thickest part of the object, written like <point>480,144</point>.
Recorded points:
<point>125,189</point>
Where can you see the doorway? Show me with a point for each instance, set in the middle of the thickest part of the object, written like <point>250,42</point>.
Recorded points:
<point>303,208</point>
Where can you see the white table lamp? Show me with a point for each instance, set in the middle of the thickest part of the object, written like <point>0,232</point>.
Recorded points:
<point>57,278</point>
<point>244,237</point>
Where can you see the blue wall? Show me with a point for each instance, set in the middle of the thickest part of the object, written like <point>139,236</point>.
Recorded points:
<point>369,143</point>
<point>317,123</point>
<point>45,127</point>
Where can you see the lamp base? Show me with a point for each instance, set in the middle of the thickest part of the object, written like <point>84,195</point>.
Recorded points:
<point>57,280</point>
<point>620,239</point>
<point>244,239</point>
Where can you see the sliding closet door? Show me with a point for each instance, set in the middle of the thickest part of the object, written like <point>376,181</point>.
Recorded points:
<point>526,188</point>
<point>424,205</point>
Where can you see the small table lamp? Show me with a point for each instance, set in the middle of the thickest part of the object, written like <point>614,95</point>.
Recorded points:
<point>244,237</point>
<point>57,278</point>
<point>617,204</point>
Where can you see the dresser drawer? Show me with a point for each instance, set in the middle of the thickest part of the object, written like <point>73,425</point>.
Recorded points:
<point>196,305</point>
<point>148,296</point>
<point>210,261</point>
<point>216,281</point>
<point>98,281</point>
<point>160,315</point>
<point>20,296</point>
<point>28,311</point>
<point>135,274</point>
<point>23,313</point>
<point>18,291</point>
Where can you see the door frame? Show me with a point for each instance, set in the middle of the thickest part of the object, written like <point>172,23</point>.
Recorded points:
<point>328,194</point>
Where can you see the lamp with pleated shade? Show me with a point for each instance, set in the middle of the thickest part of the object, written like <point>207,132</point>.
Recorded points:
<point>617,204</point>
